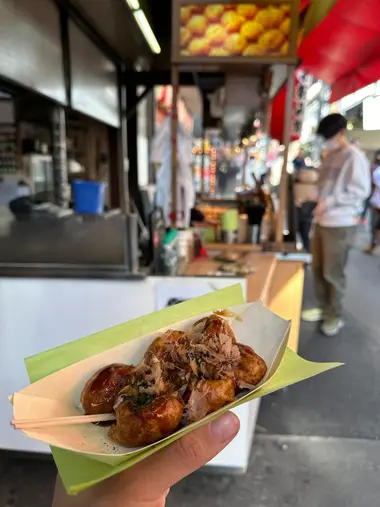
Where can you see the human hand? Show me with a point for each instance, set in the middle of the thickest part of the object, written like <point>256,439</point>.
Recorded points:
<point>320,208</point>
<point>147,484</point>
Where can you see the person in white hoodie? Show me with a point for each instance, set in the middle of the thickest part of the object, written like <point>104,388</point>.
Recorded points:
<point>344,183</point>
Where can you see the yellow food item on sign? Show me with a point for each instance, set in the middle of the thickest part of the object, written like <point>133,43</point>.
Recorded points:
<point>185,14</point>
<point>267,17</point>
<point>235,44</point>
<point>285,26</point>
<point>232,22</point>
<point>184,36</point>
<point>253,50</point>
<point>248,11</point>
<point>218,52</point>
<point>214,12</point>
<point>251,30</point>
<point>199,47</point>
<point>285,49</point>
<point>216,34</point>
<point>197,25</point>
<point>277,16</point>
<point>271,40</point>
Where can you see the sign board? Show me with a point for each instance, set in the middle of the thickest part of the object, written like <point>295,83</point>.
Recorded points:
<point>371,113</point>
<point>207,32</point>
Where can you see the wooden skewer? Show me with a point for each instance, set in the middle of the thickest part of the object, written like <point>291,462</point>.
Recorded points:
<point>23,424</point>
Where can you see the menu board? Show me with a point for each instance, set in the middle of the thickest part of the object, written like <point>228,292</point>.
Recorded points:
<point>235,30</point>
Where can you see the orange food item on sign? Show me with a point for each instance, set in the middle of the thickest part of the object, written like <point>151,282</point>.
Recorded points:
<point>271,40</point>
<point>218,52</point>
<point>199,47</point>
<point>185,14</point>
<point>235,44</point>
<point>185,37</point>
<point>253,50</point>
<point>285,26</point>
<point>214,12</point>
<point>197,25</point>
<point>248,11</point>
<point>251,30</point>
<point>216,34</point>
<point>232,21</point>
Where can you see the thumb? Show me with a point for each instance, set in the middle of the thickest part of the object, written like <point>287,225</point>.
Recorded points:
<point>184,456</point>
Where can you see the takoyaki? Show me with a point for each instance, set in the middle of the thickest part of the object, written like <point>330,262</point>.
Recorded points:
<point>145,419</point>
<point>251,368</point>
<point>101,390</point>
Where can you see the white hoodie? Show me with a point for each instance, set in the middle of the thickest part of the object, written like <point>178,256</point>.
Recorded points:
<point>344,183</point>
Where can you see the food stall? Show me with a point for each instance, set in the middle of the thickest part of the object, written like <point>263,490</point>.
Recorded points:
<point>58,305</point>
<point>242,40</point>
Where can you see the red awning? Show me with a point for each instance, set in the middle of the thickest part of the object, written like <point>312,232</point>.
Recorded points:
<point>344,49</point>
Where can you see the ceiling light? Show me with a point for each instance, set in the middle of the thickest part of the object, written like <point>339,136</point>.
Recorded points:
<point>133,4</point>
<point>147,31</point>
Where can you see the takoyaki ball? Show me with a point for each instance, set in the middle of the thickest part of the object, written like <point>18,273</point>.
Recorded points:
<point>207,396</point>
<point>251,369</point>
<point>185,14</point>
<point>142,421</point>
<point>215,325</point>
<point>162,344</point>
<point>101,390</point>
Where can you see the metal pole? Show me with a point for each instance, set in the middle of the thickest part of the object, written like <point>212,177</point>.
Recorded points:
<point>60,172</point>
<point>174,129</point>
<point>131,230</point>
<point>203,158</point>
<point>123,132</point>
<point>244,168</point>
<point>287,138</point>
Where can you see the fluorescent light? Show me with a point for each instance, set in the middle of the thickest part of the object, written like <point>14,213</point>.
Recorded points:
<point>147,31</point>
<point>133,4</point>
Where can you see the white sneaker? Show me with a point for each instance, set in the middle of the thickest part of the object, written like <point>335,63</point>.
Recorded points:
<point>332,325</point>
<point>312,315</point>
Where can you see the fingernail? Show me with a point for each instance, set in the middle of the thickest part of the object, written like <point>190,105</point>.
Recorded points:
<point>225,427</point>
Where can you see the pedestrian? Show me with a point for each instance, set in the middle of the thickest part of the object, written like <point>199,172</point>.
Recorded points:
<point>344,183</point>
<point>305,199</point>
<point>373,205</point>
<point>375,209</point>
<point>299,161</point>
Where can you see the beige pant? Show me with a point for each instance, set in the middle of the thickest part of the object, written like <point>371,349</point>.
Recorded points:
<point>330,247</point>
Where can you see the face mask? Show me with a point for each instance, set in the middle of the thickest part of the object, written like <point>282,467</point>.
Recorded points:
<point>331,145</point>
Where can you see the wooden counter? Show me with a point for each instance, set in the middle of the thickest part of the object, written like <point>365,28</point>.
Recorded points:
<point>232,247</point>
<point>258,283</point>
<point>285,296</point>
<point>277,283</point>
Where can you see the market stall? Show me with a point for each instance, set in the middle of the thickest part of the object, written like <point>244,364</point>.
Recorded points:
<point>242,40</point>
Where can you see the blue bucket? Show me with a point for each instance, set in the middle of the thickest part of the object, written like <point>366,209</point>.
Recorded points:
<point>88,197</point>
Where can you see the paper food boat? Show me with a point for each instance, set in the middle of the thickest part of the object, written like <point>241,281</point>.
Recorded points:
<point>83,454</point>
<point>58,395</point>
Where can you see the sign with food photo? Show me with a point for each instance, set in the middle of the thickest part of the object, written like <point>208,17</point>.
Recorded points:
<point>230,30</point>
